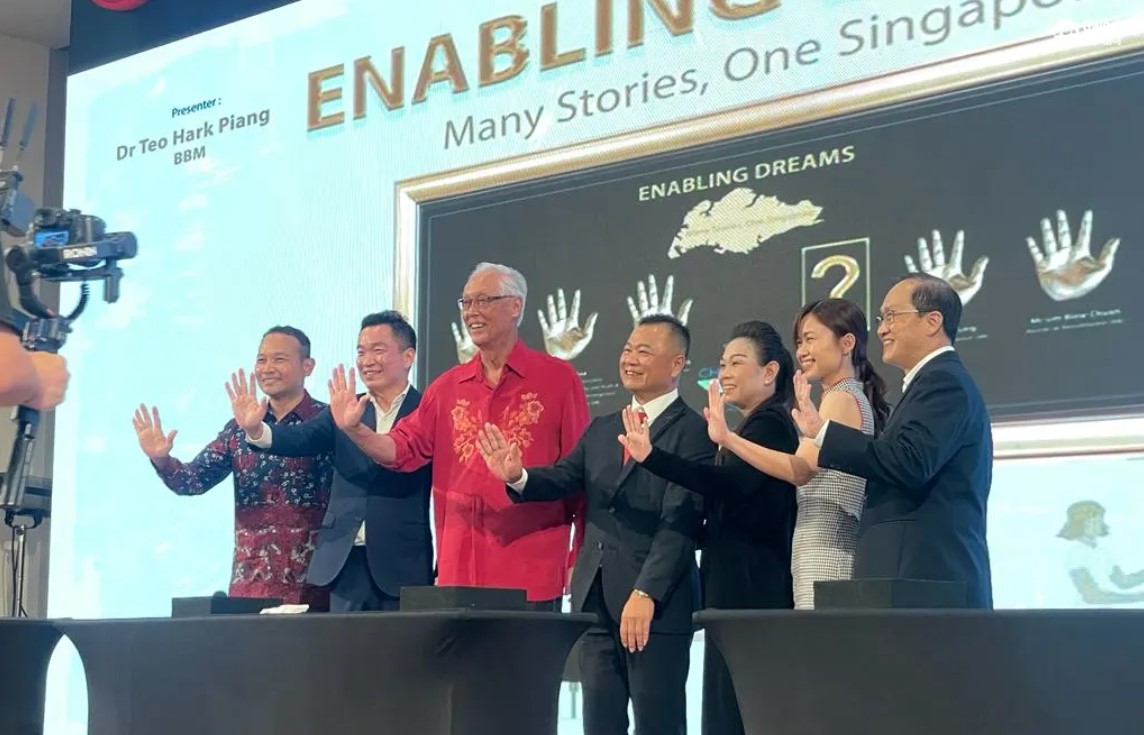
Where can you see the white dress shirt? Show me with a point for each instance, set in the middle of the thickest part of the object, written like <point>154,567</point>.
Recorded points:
<point>385,421</point>
<point>653,408</point>
<point>913,373</point>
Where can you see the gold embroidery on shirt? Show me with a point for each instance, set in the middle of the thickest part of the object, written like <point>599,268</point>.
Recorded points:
<point>513,422</point>
<point>464,430</point>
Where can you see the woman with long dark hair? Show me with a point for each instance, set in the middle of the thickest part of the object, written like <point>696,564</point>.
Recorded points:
<point>746,545</point>
<point>831,338</point>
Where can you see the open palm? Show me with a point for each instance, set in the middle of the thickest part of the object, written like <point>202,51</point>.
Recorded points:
<point>149,430</point>
<point>244,404</point>
<point>502,457</point>
<point>636,437</point>
<point>716,414</point>
<point>345,407</point>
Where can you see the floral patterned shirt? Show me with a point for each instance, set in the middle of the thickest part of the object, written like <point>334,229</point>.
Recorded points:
<point>279,504</point>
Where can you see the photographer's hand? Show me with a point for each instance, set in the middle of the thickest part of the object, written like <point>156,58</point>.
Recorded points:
<point>52,372</point>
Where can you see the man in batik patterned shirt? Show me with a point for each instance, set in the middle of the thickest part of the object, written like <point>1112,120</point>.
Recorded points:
<point>279,501</point>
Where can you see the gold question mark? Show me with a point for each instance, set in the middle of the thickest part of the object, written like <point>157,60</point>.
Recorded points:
<point>851,271</point>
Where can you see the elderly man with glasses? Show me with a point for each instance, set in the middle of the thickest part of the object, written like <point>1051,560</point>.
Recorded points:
<point>483,539</point>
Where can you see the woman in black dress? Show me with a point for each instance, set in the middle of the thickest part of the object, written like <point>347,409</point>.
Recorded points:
<point>746,545</point>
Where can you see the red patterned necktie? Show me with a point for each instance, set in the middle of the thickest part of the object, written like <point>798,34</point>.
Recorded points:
<point>641,415</point>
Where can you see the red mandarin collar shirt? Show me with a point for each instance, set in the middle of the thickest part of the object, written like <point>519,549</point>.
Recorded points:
<point>483,539</point>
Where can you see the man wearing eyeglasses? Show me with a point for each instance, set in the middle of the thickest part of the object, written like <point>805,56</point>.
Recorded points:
<point>483,539</point>
<point>930,470</point>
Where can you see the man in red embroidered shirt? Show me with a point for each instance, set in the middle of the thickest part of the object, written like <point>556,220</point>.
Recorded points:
<point>483,539</point>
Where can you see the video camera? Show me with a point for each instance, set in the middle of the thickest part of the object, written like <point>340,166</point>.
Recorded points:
<point>58,245</point>
<point>67,245</point>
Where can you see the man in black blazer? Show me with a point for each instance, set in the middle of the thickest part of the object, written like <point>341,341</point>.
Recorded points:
<point>375,536</point>
<point>928,474</point>
<point>637,568</point>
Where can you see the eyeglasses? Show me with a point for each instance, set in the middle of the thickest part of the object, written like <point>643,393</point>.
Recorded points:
<point>480,302</point>
<point>887,317</point>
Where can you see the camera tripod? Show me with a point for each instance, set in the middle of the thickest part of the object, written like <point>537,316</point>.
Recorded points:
<point>17,517</point>
<point>45,335</point>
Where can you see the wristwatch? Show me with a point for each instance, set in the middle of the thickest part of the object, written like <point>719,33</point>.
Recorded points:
<point>641,593</point>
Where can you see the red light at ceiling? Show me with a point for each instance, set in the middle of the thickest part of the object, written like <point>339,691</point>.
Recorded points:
<point>120,5</point>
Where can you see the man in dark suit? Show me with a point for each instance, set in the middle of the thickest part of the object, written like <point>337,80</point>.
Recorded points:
<point>375,536</point>
<point>930,470</point>
<point>637,568</point>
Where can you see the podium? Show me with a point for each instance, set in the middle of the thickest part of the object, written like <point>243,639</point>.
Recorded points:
<point>459,672</point>
<point>887,594</point>
<point>949,672</point>
<point>197,607</point>
<point>27,647</point>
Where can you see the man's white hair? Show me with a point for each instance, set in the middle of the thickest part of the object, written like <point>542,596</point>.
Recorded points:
<point>512,283</point>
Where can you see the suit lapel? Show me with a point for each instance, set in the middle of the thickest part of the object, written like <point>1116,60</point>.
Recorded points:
<point>369,418</point>
<point>412,398</point>
<point>664,420</point>
<point>896,413</point>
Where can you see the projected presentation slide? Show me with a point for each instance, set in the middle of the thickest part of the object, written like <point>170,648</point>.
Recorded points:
<point>1066,533</point>
<point>990,190</point>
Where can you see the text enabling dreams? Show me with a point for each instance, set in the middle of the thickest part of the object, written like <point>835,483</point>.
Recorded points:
<point>743,174</point>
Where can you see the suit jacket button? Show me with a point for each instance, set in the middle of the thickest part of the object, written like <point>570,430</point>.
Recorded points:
<point>612,509</point>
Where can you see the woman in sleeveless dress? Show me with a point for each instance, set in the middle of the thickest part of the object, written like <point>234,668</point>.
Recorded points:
<point>831,338</point>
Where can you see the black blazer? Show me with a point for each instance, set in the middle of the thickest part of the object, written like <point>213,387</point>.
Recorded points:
<point>928,478</point>
<point>747,537</point>
<point>394,505</point>
<point>641,530</point>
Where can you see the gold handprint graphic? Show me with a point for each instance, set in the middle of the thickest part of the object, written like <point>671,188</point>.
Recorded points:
<point>465,347</point>
<point>649,302</point>
<point>563,336</point>
<point>1067,271</point>
<point>934,264</point>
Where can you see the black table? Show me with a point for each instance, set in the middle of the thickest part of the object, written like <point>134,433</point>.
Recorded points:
<point>934,672</point>
<point>26,646</point>
<point>457,672</point>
